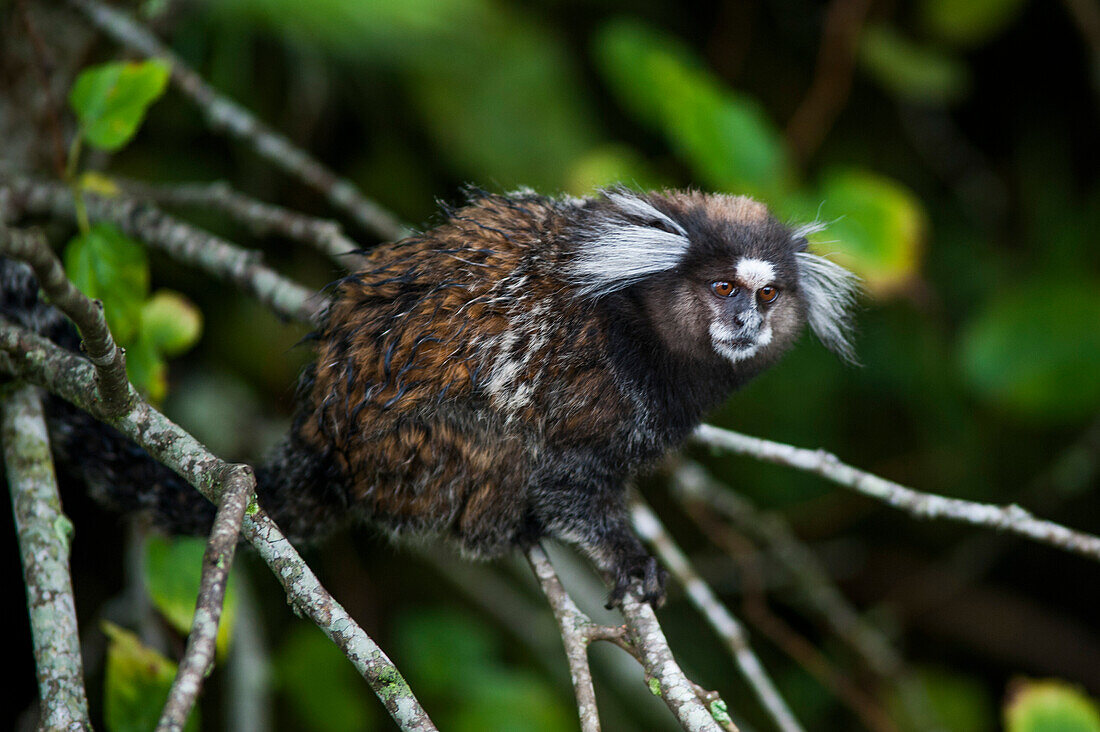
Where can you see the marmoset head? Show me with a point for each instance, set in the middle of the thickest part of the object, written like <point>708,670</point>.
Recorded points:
<point>717,275</point>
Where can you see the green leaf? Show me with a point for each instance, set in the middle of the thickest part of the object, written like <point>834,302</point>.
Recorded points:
<point>726,137</point>
<point>323,689</point>
<point>110,100</point>
<point>1050,706</point>
<point>147,369</point>
<point>137,683</point>
<point>173,570</point>
<point>171,322</point>
<point>913,72</point>
<point>970,22</point>
<point>875,226</point>
<point>1027,349</point>
<point>107,265</point>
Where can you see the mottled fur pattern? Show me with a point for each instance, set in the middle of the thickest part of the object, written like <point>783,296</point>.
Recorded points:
<point>497,378</point>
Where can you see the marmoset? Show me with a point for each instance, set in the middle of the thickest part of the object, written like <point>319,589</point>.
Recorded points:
<point>498,378</point>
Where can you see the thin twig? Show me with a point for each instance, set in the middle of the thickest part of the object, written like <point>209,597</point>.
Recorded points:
<point>186,243</point>
<point>44,534</point>
<point>109,359</point>
<point>643,639</point>
<point>248,687</point>
<point>225,115</point>
<point>31,357</point>
<point>721,620</point>
<point>755,607</point>
<point>1086,16</point>
<point>42,71</point>
<point>832,81</point>
<point>574,626</point>
<point>239,487</point>
<point>817,590</point>
<point>263,219</point>
<point>663,674</point>
<point>1011,518</point>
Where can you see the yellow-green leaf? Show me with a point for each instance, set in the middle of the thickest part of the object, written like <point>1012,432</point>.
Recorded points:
<point>110,100</point>
<point>99,184</point>
<point>147,369</point>
<point>137,683</point>
<point>875,226</point>
<point>1050,706</point>
<point>171,322</point>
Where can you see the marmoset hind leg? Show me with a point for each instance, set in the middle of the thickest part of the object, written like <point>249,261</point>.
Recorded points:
<point>589,510</point>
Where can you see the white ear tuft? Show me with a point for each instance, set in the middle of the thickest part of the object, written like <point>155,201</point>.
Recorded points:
<point>830,292</point>
<point>618,251</point>
<point>630,203</point>
<point>804,230</point>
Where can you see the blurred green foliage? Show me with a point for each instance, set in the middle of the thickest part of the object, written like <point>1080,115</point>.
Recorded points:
<point>173,572</point>
<point>322,689</point>
<point>137,683</point>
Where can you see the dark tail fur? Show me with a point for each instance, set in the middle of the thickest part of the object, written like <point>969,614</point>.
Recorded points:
<point>299,488</point>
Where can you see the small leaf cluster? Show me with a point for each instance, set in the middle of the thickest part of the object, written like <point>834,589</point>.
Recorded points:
<point>110,102</point>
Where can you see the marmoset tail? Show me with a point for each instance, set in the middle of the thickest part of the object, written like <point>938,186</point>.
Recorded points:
<point>496,379</point>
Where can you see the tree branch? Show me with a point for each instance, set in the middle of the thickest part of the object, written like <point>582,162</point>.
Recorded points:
<point>109,359</point>
<point>643,639</point>
<point>31,357</point>
<point>225,115</point>
<point>663,674</point>
<point>186,243</point>
<point>239,486</point>
<point>1011,518</point>
<point>692,483</point>
<point>574,626</point>
<point>44,533</point>
<point>718,616</point>
<point>263,219</point>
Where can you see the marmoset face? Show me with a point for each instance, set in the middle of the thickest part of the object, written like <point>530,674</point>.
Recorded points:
<point>718,275</point>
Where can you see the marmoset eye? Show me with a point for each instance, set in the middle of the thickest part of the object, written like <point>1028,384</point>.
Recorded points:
<point>722,288</point>
<point>767,294</point>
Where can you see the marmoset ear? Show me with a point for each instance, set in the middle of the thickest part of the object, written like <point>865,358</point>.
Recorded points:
<point>830,293</point>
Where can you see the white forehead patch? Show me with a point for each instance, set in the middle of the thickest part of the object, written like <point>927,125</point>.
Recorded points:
<point>755,272</point>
